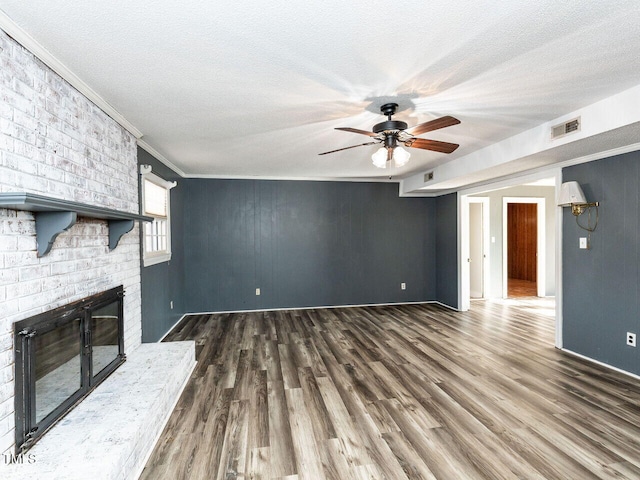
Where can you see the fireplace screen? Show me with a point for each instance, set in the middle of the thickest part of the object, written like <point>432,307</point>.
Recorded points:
<point>61,356</point>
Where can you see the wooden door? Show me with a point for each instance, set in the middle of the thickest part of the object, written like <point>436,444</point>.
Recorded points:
<point>522,241</point>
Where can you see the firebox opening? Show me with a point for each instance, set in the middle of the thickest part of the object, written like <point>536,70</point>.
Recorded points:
<point>61,356</point>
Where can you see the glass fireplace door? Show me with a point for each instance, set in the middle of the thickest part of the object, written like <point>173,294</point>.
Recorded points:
<point>58,366</point>
<point>61,355</point>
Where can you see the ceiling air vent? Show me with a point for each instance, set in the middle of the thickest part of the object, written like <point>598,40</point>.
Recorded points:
<point>428,177</point>
<point>565,128</point>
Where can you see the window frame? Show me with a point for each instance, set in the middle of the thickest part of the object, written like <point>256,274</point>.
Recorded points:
<point>157,256</point>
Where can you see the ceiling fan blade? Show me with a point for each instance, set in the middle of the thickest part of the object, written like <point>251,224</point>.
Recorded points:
<point>434,145</point>
<point>432,125</point>
<point>347,148</point>
<point>355,130</point>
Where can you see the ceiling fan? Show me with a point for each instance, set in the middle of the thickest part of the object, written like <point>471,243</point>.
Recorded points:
<point>393,132</point>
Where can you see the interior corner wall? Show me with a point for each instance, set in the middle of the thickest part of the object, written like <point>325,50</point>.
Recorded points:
<point>446,249</point>
<point>163,283</point>
<point>601,285</point>
<point>304,244</point>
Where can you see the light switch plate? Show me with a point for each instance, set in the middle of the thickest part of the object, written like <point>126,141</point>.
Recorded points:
<point>583,242</point>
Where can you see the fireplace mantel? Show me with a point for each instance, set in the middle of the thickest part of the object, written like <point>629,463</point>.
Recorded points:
<point>53,216</point>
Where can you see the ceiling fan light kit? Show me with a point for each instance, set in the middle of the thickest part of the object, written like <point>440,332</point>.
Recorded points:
<point>391,132</point>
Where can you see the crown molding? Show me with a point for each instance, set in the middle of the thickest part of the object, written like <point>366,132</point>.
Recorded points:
<point>32,45</point>
<point>161,158</point>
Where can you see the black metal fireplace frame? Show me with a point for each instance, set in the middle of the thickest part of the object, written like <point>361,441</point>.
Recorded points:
<point>28,430</point>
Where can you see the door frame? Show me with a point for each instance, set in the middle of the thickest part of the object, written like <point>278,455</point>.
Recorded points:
<point>485,209</point>
<point>512,181</point>
<point>540,239</point>
<point>465,273</point>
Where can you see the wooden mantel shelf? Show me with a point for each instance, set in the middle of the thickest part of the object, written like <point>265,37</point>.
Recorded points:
<point>54,216</point>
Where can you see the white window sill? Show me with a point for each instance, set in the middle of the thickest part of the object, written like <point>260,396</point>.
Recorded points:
<point>155,259</point>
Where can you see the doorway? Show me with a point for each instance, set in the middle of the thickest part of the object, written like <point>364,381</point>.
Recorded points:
<point>522,249</point>
<point>478,247</point>
<point>523,244</point>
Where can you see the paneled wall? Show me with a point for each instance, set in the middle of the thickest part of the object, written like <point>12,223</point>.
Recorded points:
<point>601,286</point>
<point>162,284</point>
<point>446,248</point>
<point>304,244</point>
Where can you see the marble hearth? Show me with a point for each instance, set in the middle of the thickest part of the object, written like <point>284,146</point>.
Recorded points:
<point>111,433</point>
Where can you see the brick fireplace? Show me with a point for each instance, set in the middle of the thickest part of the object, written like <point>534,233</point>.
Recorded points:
<point>55,142</point>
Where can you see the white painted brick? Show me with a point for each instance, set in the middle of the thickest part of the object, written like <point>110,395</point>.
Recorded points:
<point>8,243</point>
<point>6,345</point>
<point>9,276</point>
<point>6,442</point>
<point>6,374</point>
<point>6,360</point>
<point>24,289</point>
<point>19,259</point>
<point>34,272</point>
<point>6,111</point>
<point>26,244</point>
<point>6,424</point>
<point>6,407</point>
<point>55,142</point>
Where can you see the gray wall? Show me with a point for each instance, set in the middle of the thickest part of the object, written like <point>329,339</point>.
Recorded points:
<point>162,283</point>
<point>495,227</point>
<point>305,244</point>
<point>601,285</point>
<point>447,250</point>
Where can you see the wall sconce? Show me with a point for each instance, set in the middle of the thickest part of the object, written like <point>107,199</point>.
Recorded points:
<point>571,195</point>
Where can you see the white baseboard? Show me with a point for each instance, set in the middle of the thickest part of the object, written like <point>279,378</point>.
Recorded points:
<point>320,307</point>
<point>602,364</point>
<point>174,326</point>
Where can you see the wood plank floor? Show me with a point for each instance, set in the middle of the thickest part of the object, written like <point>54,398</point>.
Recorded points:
<point>521,288</point>
<point>397,392</point>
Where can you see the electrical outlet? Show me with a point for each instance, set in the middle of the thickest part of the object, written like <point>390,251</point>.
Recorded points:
<point>257,291</point>
<point>403,286</point>
<point>171,304</point>
<point>583,242</point>
<point>631,339</point>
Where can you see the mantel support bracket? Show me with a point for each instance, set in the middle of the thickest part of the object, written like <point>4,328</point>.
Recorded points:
<point>49,225</point>
<point>117,228</point>
<point>54,215</point>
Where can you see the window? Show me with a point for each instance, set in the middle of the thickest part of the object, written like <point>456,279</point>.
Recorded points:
<point>155,203</point>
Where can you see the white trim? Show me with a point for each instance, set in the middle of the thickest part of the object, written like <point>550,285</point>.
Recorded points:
<point>464,296</point>
<point>602,364</point>
<point>161,158</point>
<point>174,326</point>
<point>464,271</point>
<point>454,309</point>
<point>31,44</point>
<point>515,180</point>
<point>541,236</point>
<point>511,180</point>
<point>154,258</point>
<point>286,309</point>
<point>149,260</point>
<point>146,172</point>
<point>559,295</point>
<point>305,179</point>
<point>486,226</point>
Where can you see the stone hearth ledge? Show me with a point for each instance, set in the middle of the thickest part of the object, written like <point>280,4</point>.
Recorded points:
<point>112,432</point>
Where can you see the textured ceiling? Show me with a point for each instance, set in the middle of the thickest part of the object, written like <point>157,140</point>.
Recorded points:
<point>250,88</point>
